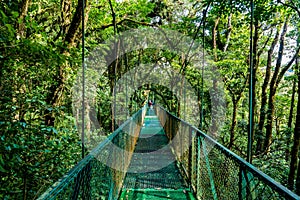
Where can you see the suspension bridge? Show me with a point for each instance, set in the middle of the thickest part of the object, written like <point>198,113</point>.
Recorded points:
<point>156,155</point>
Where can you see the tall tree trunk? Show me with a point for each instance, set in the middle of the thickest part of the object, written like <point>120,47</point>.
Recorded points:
<point>56,92</point>
<point>21,27</point>
<point>75,24</point>
<point>296,145</point>
<point>66,14</point>
<point>213,128</point>
<point>297,191</point>
<point>273,88</point>
<point>229,30</point>
<point>233,122</point>
<point>214,39</point>
<point>290,121</point>
<point>264,94</point>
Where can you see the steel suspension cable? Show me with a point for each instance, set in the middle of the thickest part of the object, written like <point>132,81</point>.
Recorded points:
<point>251,71</point>
<point>187,54</point>
<point>202,71</point>
<point>83,79</point>
<point>196,34</point>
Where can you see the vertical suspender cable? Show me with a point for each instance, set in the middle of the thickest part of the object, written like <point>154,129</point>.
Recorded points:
<point>83,81</point>
<point>184,99</point>
<point>126,86</point>
<point>202,71</point>
<point>194,38</point>
<point>250,129</point>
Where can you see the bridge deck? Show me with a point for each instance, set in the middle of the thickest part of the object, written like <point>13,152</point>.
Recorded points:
<point>153,173</point>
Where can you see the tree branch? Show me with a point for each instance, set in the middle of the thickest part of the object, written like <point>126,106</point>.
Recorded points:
<point>290,6</point>
<point>76,21</point>
<point>113,16</point>
<point>21,28</point>
<point>121,22</point>
<point>229,29</point>
<point>285,68</point>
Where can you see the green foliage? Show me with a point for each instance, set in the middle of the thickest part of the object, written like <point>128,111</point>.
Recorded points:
<point>32,154</point>
<point>39,140</point>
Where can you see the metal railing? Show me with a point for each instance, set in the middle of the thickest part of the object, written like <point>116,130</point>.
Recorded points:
<point>101,173</point>
<point>214,172</point>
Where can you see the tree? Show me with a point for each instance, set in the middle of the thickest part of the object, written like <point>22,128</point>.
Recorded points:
<point>295,149</point>
<point>264,96</point>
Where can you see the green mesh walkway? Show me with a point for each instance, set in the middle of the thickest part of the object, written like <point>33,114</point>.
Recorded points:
<point>153,173</point>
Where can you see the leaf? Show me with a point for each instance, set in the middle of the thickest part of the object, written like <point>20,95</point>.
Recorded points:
<point>8,148</point>
<point>23,124</point>
<point>15,14</point>
<point>42,102</point>
<point>10,29</point>
<point>3,17</point>
<point>2,169</point>
<point>54,130</point>
<point>1,160</point>
<point>18,158</point>
<point>47,151</point>
<point>2,138</point>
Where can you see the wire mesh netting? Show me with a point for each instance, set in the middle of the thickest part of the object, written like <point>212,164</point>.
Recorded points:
<point>101,173</point>
<point>153,171</point>
<point>214,172</point>
<point>161,156</point>
<point>153,194</point>
<point>153,164</point>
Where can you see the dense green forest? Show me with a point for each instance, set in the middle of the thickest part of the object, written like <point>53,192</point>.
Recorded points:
<point>41,55</point>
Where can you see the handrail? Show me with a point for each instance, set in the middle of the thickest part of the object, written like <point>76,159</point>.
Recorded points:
<point>68,182</point>
<point>91,179</point>
<point>245,165</point>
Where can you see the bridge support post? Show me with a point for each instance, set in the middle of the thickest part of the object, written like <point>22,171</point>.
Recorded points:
<point>242,186</point>
<point>190,167</point>
<point>246,185</point>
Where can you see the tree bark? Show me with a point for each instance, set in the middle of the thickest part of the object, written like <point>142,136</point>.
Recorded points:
<point>70,38</point>
<point>76,21</point>
<point>297,191</point>
<point>290,121</point>
<point>229,29</point>
<point>264,93</point>
<point>296,145</point>
<point>21,28</point>
<point>66,15</point>
<point>213,127</point>
<point>273,88</point>
<point>56,91</point>
<point>214,39</point>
